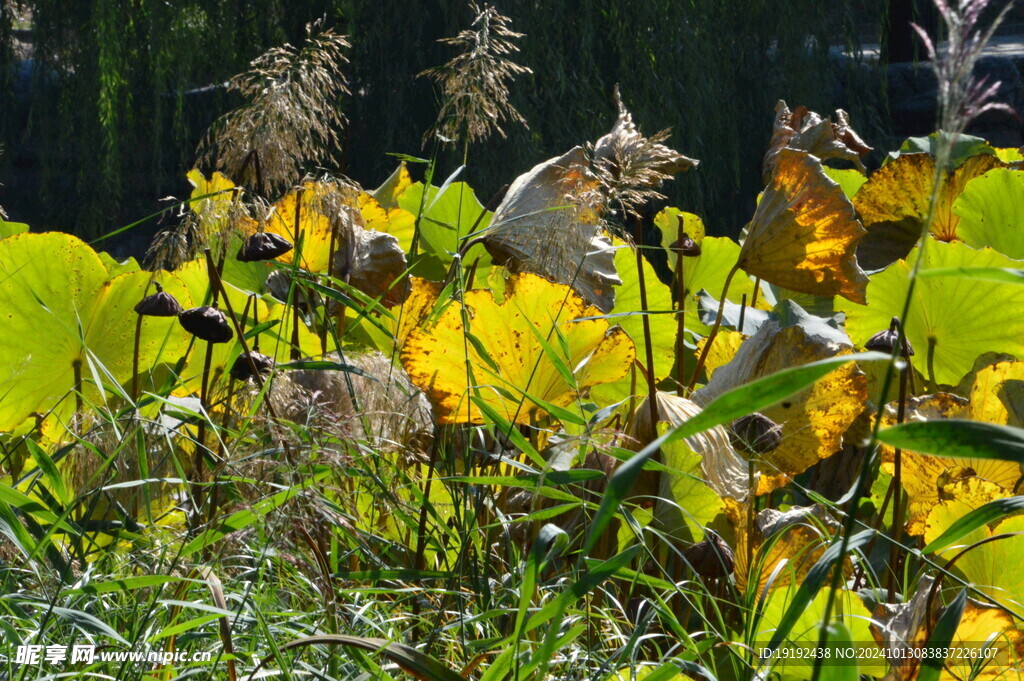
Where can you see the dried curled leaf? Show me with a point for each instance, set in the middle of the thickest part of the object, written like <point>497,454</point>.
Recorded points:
<point>808,131</point>
<point>721,467</point>
<point>795,539</point>
<point>804,233</point>
<point>904,626</point>
<point>372,262</point>
<point>549,224</point>
<point>814,420</point>
<point>501,357</point>
<point>893,204</point>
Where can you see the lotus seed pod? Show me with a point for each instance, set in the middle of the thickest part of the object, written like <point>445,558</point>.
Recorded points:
<point>160,304</point>
<point>263,246</point>
<point>711,558</point>
<point>689,247</point>
<point>885,341</point>
<point>206,323</point>
<point>241,370</point>
<point>755,434</point>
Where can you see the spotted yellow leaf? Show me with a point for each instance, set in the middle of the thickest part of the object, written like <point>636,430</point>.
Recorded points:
<point>804,233</point>
<point>500,358</point>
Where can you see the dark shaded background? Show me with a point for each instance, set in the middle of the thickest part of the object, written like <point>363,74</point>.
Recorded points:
<point>102,102</point>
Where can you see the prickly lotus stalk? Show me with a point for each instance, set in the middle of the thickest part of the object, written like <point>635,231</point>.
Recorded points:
<point>206,323</point>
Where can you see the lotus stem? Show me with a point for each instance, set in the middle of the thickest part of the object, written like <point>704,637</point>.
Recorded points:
<point>757,290</point>
<point>296,352</point>
<point>743,312</point>
<point>714,329</point>
<point>76,367</point>
<point>897,487</point>
<point>652,388</point>
<point>135,361</point>
<point>681,309</point>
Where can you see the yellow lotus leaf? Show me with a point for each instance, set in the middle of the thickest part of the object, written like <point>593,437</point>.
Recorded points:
<point>667,221</point>
<point>795,538</point>
<point>217,184</point>
<point>501,359</point>
<point>923,476</point>
<point>893,204</point>
<point>814,420</point>
<point>388,192</point>
<point>395,221</point>
<point>724,347</point>
<point>997,395</point>
<point>804,233</point>
<point>908,625</point>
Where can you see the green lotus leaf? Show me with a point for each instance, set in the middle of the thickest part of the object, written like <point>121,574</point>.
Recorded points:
<point>963,146</point>
<point>667,221</point>
<point>695,503</point>
<point>848,179</point>
<point>63,310</point>
<point>949,321</point>
<point>990,212</point>
<point>11,228</point>
<point>448,215</point>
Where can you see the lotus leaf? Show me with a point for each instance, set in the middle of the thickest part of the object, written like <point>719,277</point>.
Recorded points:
<point>63,309</point>
<point>949,324</point>
<point>814,420</point>
<point>625,141</point>
<point>909,624</point>
<point>11,228</point>
<point>923,476</point>
<point>529,345</point>
<point>708,272</point>
<point>808,131</point>
<point>667,221</point>
<point>804,232</point>
<point>989,210</point>
<point>894,204</point>
<point>447,215</point>
<point>548,223</point>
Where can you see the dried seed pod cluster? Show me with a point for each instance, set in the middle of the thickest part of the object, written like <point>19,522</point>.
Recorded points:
<point>207,323</point>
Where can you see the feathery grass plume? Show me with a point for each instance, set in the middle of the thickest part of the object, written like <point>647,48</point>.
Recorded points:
<point>630,167</point>
<point>475,83</point>
<point>291,116</point>
<point>962,96</point>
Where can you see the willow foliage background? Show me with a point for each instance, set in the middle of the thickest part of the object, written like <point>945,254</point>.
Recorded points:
<point>106,117</point>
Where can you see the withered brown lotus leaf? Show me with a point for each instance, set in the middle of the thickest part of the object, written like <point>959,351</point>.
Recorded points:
<point>549,224</point>
<point>372,262</point>
<point>808,131</point>
<point>804,233</point>
<point>626,142</point>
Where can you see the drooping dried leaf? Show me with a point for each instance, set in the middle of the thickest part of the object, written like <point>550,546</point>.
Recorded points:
<point>507,361</point>
<point>814,420</point>
<point>893,205</point>
<point>803,533</point>
<point>372,262</point>
<point>908,625</point>
<point>720,467</point>
<point>808,131</point>
<point>804,233</point>
<point>549,224</point>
